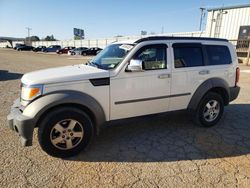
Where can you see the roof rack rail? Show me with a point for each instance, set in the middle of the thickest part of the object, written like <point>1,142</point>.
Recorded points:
<point>178,38</point>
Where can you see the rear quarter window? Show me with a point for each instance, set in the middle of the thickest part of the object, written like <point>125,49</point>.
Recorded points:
<point>218,55</point>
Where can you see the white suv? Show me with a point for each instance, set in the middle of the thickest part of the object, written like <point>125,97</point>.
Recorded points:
<point>70,104</point>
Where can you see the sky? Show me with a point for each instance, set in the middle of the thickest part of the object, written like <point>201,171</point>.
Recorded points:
<point>102,18</point>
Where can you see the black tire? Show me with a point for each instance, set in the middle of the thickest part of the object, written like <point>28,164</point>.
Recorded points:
<point>205,118</point>
<point>47,128</point>
<point>84,54</point>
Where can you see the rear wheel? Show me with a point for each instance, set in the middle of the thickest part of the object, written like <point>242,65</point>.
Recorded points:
<point>209,110</point>
<point>65,132</point>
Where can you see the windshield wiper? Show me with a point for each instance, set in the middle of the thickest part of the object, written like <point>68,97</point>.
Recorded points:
<point>88,62</point>
<point>94,64</point>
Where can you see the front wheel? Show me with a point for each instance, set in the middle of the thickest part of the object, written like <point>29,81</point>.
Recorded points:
<point>209,110</point>
<point>65,132</point>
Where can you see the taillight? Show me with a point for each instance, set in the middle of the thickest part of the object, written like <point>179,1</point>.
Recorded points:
<point>237,77</point>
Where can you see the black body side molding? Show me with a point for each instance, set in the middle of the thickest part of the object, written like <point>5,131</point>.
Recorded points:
<point>213,83</point>
<point>100,81</point>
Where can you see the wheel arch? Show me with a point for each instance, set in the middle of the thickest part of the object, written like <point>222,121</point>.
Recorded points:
<point>71,105</point>
<point>217,85</point>
<point>45,104</point>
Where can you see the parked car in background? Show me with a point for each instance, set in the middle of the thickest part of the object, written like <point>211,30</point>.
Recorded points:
<point>77,51</point>
<point>24,48</point>
<point>65,50</point>
<point>18,45</point>
<point>91,51</point>
<point>39,48</point>
<point>52,48</point>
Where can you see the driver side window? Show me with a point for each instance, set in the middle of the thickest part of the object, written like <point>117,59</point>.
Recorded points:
<point>153,56</point>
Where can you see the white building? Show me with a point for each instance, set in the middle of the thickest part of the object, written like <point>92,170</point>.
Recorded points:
<point>227,22</point>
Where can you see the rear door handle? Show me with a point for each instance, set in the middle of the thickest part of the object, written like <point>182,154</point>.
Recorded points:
<point>203,72</point>
<point>163,76</point>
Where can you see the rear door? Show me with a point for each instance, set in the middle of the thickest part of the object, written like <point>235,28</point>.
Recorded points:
<point>188,72</point>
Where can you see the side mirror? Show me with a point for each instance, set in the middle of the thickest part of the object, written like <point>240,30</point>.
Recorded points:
<point>135,66</point>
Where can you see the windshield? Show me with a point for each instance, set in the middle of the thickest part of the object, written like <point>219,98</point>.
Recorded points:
<point>111,56</point>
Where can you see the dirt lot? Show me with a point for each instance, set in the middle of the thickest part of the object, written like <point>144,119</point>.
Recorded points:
<point>157,151</point>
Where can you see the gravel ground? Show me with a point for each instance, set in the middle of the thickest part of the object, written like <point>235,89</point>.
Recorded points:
<point>155,151</point>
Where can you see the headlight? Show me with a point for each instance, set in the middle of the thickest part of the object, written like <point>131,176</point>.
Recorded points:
<point>29,93</point>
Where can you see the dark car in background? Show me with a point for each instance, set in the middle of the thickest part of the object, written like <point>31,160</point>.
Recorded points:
<point>52,48</point>
<point>77,51</point>
<point>91,51</point>
<point>18,45</point>
<point>65,50</point>
<point>39,48</point>
<point>24,48</point>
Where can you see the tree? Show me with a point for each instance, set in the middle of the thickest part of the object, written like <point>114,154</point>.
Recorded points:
<point>32,38</point>
<point>49,38</point>
<point>144,32</point>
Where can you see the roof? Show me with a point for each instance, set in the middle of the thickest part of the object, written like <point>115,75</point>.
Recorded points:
<point>228,7</point>
<point>178,38</point>
<point>11,38</point>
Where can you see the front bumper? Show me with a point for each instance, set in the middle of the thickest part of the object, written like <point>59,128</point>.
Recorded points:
<point>234,92</point>
<point>21,124</point>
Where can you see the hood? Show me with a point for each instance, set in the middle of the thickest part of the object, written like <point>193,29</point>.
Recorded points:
<point>64,74</point>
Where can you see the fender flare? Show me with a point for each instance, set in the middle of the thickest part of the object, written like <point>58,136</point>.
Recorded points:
<point>205,87</point>
<point>38,107</point>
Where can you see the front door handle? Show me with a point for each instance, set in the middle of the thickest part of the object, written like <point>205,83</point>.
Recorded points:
<point>163,76</point>
<point>203,72</point>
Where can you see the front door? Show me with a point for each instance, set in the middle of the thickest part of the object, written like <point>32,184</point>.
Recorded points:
<point>141,93</point>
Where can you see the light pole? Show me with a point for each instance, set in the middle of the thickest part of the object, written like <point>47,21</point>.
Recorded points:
<point>28,29</point>
<point>202,16</point>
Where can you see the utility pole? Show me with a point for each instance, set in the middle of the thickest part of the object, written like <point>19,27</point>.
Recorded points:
<point>162,30</point>
<point>202,16</point>
<point>28,29</point>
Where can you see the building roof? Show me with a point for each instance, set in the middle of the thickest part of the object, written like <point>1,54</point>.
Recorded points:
<point>11,38</point>
<point>178,38</point>
<point>228,7</point>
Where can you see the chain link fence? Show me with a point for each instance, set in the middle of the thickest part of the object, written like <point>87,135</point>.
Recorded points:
<point>102,43</point>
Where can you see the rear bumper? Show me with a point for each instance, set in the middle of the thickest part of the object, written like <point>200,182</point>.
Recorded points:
<point>234,92</point>
<point>21,124</point>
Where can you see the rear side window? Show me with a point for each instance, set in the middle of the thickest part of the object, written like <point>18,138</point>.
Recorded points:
<point>218,55</point>
<point>188,56</point>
